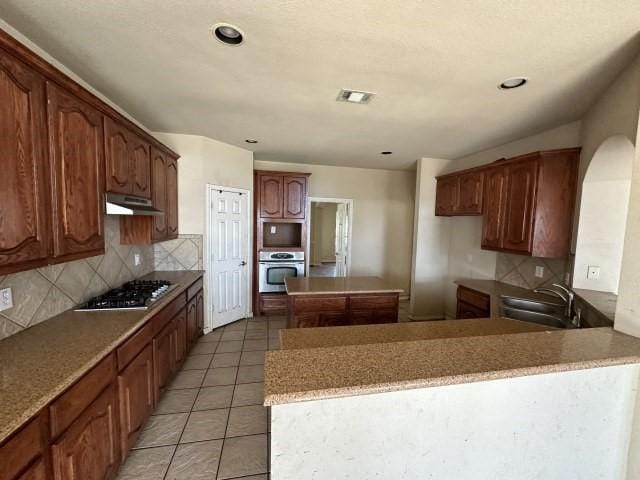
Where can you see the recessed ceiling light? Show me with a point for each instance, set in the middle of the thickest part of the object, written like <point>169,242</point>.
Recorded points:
<point>251,140</point>
<point>354,96</point>
<point>227,33</point>
<point>510,83</point>
<point>386,153</point>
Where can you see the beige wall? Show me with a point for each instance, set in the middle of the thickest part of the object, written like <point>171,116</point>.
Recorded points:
<point>382,214</point>
<point>466,258</point>
<point>205,161</point>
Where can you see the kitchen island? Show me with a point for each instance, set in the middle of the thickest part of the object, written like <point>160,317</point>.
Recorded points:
<point>463,399</point>
<point>334,301</point>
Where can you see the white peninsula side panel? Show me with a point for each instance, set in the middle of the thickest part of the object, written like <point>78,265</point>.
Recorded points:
<point>557,426</point>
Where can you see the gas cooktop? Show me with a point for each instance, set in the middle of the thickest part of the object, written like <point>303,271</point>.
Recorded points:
<point>134,295</point>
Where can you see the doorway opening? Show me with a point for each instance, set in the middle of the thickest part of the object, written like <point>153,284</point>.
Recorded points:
<point>228,269</point>
<point>329,237</point>
<point>603,216</point>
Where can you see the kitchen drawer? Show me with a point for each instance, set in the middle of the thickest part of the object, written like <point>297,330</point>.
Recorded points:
<point>76,399</point>
<point>319,304</point>
<point>194,289</point>
<point>165,315</point>
<point>23,448</point>
<point>134,345</point>
<point>274,302</point>
<point>472,297</point>
<point>369,302</point>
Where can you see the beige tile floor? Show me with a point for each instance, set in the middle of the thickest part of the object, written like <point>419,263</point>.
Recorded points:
<point>211,424</point>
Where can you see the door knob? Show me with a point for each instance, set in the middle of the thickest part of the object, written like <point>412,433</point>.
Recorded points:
<point>243,263</point>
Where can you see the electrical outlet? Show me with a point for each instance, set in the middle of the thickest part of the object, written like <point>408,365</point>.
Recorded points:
<point>273,229</point>
<point>137,259</point>
<point>6,299</point>
<point>539,271</point>
<point>593,273</point>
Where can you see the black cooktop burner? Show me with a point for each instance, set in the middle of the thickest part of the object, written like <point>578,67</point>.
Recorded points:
<point>137,294</point>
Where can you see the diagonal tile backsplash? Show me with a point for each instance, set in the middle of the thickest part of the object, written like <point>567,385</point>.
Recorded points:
<point>520,271</point>
<point>45,292</point>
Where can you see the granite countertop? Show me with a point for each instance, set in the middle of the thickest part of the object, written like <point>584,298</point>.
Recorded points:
<point>301,338</point>
<point>604,303</point>
<point>39,363</point>
<point>298,375</point>
<point>338,285</point>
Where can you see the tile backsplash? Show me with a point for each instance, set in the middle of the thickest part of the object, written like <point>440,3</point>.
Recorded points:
<point>520,270</point>
<point>42,293</point>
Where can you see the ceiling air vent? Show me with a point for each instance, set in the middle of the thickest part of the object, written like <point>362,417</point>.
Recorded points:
<point>354,96</point>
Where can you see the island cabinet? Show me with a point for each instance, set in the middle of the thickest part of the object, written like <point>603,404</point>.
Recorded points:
<point>472,304</point>
<point>343,309</point>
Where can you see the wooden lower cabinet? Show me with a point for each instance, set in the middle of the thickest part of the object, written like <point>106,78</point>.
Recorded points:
<point>25,447</point>
<point>200,313</point>
<point>89,449</point>
<point>164,360</point>
<point>336,310</point>
<point>192,320</point>
<point>472,304</point>
<point>181,335</point>
<point>136,392</point>
<point>36,472</point>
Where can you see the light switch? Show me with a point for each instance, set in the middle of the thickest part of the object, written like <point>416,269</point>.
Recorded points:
<point>6,299</point>
<point>593,273</point>
<point>273,229</point>
<point>137,259</point>
<point>539,271</point>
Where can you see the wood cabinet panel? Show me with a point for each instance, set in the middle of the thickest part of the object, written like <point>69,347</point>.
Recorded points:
<point>200,313</point>
<point>321,319</point>
<point>521,196</point>
<point>128,351</point>
<point>273,303</point>
<point>35,472</point>
<point>295,196</point>
<point>140,159</point>
<point>494,207</point>
<point>369,302</point>
<point>159,193</point>
<point>271,196</point>
<point>479,300</point>
<point>24,238</point>
<point>76,149</point>
<point>171,203</point>
<point>446,196</point>
<point>88,450</point>
<point>136,393</point>
<point>470,193</point>
<point>164,360</point>
<point>192,320</point>
<point>181,336</point>
<point>70,405</point>
<point>21,450</point>
<point>468,311</point>
<point>116,151</point>
<point>304,304</point>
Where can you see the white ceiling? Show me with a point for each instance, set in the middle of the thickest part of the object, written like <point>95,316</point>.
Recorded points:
<point>433,65</point>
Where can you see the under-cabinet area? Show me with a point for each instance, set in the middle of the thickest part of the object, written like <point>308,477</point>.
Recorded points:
<point>78,417</point>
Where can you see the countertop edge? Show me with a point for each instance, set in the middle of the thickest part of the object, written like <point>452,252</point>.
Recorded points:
<point>347,292</point>
<point>41,402</point>
<point>343,392</point>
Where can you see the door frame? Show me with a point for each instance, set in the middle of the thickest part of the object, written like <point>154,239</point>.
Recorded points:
<point>208,243</point>
<point>349,203</point>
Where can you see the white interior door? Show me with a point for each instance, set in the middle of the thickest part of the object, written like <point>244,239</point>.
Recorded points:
<point>228,261</point>
<point>342,239</point>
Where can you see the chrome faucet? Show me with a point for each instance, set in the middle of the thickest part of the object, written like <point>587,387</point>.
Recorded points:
<point>567,295</point>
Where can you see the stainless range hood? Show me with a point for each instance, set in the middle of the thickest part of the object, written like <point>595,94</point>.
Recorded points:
<point>130,205</point>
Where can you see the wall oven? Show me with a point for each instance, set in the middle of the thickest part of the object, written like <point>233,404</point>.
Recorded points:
<point>276,266</point>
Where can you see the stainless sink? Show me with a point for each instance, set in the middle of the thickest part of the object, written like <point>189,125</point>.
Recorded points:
<point>544,313</point>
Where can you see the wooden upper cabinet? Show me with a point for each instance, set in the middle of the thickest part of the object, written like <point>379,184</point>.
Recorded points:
<point>271,196</point>
<point>295,196</point>
<point>77,160</point>
<point>446,196</point>
<point>159,192</point>
<point>470,193</point>
<point>24,238</point>
<point>518,214</point>
<point>89,449</point>
<point>494,207</point>
<point>139,156</point>
<point>171,202</point>
<point>116,149</point>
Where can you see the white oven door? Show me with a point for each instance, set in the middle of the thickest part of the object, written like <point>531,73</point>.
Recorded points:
<point>273,274</point>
